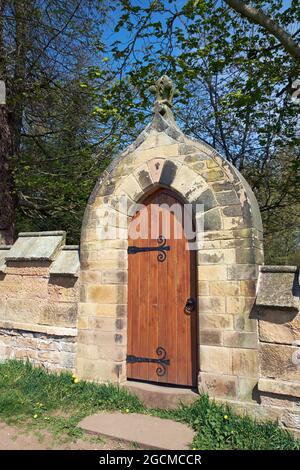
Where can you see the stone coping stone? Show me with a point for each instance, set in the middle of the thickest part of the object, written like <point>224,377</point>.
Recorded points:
<point>35,328</point>
<point>149,432</point>
<point>279,287</point>
<point>67,262</point>
<point>37,246</point>
<point>3,253</point>
<point>279,387</point>
<point>279,269</point>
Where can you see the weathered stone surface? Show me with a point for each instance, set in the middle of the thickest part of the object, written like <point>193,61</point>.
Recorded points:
<point>280,361</point>
<point>168,173</point>
<point>245,362</point>
<point>105,294</point>
<point>242,271</point>
<point>36,246</point>
<point>227,197</point>
<point>247,389</point>
<point>223,386</point>
<point>52,352</point>
<point>67,262</point>
<point>208,200</point>
<point>212,273</point>
<point>211,304</point>
<point>291,420</point>
<point>211,337</point>
<point>4,249</point>
<point>279,325</point>
<point>279,289</point>
<point>215,359</point>
<point>210,321</point>
<point>279,387</point>
<point>212,220</point>
<point>238,339</point>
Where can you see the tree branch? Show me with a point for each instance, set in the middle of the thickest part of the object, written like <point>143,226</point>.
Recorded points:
<point>260,18</point>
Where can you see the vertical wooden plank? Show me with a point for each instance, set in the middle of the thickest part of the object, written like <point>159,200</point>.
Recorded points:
<point>153,303</point>
<point>171,307</point>
<point>144,303</point>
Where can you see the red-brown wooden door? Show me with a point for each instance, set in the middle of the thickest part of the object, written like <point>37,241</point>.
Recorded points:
<point>159,325</point>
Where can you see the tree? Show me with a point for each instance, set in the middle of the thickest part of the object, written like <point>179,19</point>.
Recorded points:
<point>45,49</point>
<point>233,80</point>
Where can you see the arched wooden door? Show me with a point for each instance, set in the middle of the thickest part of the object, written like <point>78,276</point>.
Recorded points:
<point>162,318</point>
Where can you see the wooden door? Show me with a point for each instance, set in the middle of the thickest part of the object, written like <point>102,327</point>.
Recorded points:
<point>162,323</point>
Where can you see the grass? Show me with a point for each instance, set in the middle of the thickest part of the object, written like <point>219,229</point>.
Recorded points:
<point>29,396</point>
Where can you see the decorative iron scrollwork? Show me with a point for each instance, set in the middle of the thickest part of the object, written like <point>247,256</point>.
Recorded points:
<point>162,248</point>
<point>162,361</point>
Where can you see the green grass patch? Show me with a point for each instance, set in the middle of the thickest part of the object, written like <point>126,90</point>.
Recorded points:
<point>30,396</point>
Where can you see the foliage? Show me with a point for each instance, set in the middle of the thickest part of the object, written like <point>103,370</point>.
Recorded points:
<point>31,395</point>
<point>85,96</point>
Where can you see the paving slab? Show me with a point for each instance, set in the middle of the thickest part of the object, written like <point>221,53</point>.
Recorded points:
<point>149,432</point>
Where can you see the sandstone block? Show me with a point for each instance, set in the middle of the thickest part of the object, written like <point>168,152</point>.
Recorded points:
<point>229,288</point>
<point>212,337</point>
<point>211,304</point>
<point>222,322</point>
<point>245,362</point>
<point>104,294</point>
<point>221,386</point>
<point>279,387</point>
<point>114,277</point>
<point>242,271</point>
<point>247,389</point>
<point>102,310</point>
<point>280,361</point>
<point>212,273</point>
<point>248,288</point>
<point>279,326</point>
<point>203,289</point>
<point>215,359</point>
<point>238,339</point>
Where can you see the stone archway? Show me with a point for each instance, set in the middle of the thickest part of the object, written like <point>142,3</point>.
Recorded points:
<point>227,262</point>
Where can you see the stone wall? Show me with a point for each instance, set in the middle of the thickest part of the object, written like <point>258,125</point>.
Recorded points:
<point>38,300</point>
<point>278,313</point>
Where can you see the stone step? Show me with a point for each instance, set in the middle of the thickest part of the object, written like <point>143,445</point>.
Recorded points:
<point>148,432</point>
<point>161,396</point>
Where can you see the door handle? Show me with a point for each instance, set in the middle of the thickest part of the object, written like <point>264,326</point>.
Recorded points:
<point>190,305</point>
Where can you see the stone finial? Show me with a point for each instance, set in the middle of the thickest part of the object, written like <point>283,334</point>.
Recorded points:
<point>165,92</point>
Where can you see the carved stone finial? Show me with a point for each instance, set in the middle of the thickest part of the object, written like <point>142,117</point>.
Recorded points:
<point>165,92</point>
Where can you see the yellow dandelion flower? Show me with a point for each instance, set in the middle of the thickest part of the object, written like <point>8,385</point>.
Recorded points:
<point>76,380</point>
<point>127,410</point>
<point>35,416</point>
<point>225,417</point>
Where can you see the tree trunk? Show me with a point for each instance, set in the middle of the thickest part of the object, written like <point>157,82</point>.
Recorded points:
<point>7,193</point>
